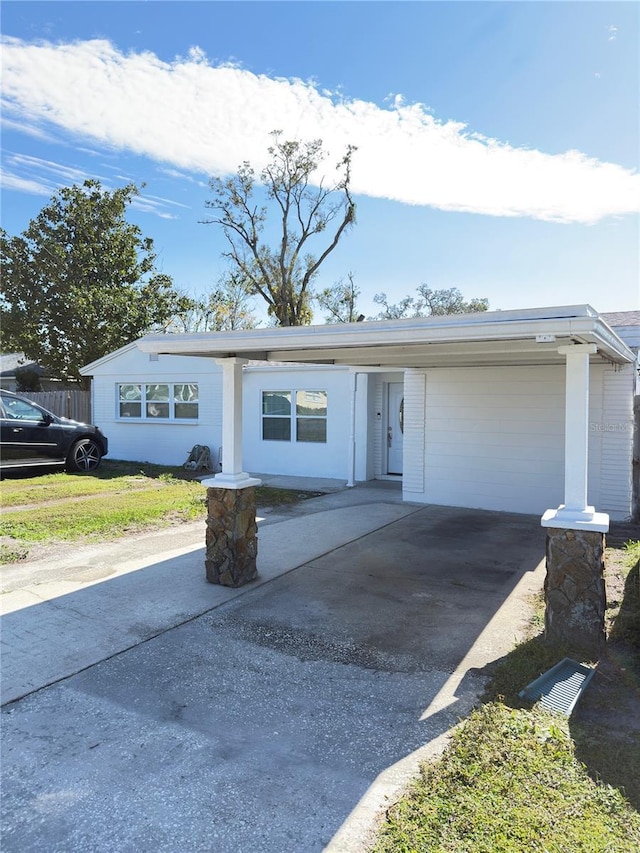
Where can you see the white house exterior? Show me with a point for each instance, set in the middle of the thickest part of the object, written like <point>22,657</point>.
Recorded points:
<point>480,411</point>
<point>165,441</point>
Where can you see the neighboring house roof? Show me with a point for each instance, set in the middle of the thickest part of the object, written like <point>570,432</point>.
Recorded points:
<point>12,361</point>
<point>531,336</point>
<point>626,325</point>
<point>621,318</point>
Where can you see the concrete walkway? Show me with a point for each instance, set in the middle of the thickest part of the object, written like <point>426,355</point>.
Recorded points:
<point>150,711</point>
<point>59,617</point>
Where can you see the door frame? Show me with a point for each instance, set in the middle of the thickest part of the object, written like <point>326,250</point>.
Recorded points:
<point>386,424</point>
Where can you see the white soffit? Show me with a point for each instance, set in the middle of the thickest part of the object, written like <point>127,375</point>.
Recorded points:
<point>489,338</point>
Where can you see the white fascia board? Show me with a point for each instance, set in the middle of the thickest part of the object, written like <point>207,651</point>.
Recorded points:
<point>580,322</point>
<point>611,343</point>
<point>367,368</point>
<point>292,367</point>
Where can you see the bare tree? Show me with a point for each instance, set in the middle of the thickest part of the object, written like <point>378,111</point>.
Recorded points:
<point>430,303</point>
<point>284,276</point>
<point>407,307</point>
<point>340,301</point>
<point>449,301</point>
<point>221,310</point>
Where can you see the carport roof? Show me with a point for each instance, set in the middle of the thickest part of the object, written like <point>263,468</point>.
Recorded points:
<point>524,337</point>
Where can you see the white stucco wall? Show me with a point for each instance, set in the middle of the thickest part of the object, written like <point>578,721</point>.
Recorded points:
<point>157,441</point>
<point>367,427</point>
<point>293,457</point>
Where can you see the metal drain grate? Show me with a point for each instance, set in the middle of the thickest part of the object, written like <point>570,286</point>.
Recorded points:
<point>560,688</point>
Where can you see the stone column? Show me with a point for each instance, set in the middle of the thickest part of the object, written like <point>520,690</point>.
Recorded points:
<point>575,589</point>
<point>231,539</point>
<point>574,586</point>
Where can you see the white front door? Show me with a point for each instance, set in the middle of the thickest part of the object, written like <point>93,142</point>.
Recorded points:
<point>395,427</point>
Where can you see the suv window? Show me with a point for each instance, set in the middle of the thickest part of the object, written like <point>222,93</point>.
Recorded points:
<point>20,410</point>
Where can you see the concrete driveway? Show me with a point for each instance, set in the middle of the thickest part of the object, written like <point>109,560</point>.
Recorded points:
<point>282,717</point>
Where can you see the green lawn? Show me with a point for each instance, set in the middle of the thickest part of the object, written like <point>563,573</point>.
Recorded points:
<point>120,498</point>
<point>510,782</point>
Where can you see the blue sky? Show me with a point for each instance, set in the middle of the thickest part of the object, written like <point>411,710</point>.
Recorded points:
<point>497,141</point>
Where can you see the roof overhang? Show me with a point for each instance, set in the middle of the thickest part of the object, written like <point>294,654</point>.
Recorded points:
<point>530,337</point>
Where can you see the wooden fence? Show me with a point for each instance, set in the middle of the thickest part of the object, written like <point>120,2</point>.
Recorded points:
<point>74,404</point>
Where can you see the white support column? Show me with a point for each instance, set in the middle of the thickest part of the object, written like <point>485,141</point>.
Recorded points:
<point>353,387</point>
<point>575,513</point>
<point>232,476</point>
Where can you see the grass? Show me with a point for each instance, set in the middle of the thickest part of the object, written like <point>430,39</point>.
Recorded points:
<point>509,782</point>
<point>515,778</point>
<point>60,486</point>
<point>118,499</point>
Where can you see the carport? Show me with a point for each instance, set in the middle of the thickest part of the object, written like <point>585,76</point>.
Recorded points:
<point>575,338</point>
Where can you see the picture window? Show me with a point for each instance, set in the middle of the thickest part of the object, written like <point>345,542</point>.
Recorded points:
<point>158,401</point>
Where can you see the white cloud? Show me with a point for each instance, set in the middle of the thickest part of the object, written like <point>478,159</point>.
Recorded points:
<point>54,172</point>
<point>182,176</point>
<point>37,176</point>
<point>193,116</point>
<point>11,181</point>
<point>22,127</point>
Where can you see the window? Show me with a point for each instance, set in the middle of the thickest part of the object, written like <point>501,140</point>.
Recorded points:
<point>311,416</point>
<point>276,415</point>
<point>158,401</point>
<point>20,410</point>
<point>307,420</point>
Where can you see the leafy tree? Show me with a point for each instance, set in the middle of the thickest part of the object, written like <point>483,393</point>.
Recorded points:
<point>449,301</point>
<point>80,282</point>
<point>223,309</point>
<point>28,379</point>
<point>340,301</point>
<point>302,212</point>
<point>407,307</point>
<point>429,303</point>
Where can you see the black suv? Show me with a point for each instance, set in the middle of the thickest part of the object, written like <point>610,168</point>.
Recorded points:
<point>32,436</point>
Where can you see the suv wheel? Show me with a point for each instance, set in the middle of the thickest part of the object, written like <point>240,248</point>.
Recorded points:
<point>85,455</point>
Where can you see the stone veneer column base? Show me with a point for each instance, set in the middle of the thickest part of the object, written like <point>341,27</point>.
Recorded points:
<point>231,540</point>
<point>574,588</point>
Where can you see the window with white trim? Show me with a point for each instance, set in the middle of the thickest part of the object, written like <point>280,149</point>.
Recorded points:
<point>168,401</point>
<point>301,414</point>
